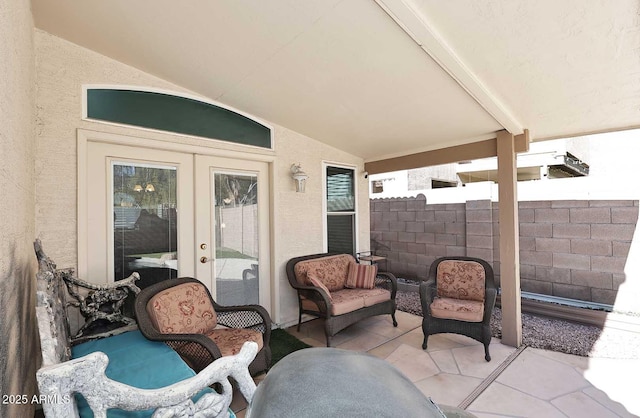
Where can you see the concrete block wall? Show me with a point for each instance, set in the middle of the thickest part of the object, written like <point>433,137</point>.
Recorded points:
<point>413,234</point>
<point>576,249</point>
<point>481,232</point>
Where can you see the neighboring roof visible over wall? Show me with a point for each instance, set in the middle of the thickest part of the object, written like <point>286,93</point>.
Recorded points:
<point>382,78</point>
<point>610,157</point>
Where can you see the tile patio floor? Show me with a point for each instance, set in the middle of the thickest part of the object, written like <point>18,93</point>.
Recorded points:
<point>516,383</point>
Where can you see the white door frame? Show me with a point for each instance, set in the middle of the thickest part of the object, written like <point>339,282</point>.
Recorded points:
<point>95,221</point>
<point>174,143</point>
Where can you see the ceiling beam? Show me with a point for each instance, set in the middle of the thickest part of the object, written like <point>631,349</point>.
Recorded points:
<point>417,26</point>
<point>473,151</point>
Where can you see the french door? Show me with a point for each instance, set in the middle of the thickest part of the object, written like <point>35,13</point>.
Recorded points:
<point>232,229</point>
<point>168,214</point>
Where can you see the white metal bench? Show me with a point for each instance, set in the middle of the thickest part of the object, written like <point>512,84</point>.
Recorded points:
<point>60,378</point>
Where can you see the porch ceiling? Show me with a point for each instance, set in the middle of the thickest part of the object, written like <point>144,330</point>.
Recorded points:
<point>382,78</point>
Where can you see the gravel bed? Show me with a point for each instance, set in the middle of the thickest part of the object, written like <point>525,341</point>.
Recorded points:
<point>554,334</point>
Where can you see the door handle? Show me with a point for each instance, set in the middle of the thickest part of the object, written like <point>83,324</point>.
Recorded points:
<point>204,260</point>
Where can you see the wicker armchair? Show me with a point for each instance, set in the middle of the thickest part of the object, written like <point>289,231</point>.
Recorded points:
<point>182,313</point>
<point>458,297</point>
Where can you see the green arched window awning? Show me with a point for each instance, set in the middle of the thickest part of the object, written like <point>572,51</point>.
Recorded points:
<point>176,114</point>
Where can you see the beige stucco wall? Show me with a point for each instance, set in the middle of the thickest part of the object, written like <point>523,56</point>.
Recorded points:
<point>62,68</point>
<point>299,216</point>
<point>18,347</point>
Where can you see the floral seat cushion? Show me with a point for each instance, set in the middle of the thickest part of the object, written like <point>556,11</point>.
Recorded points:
<point>349,300</point>
<point>230,340</point>
<point>462,310</point>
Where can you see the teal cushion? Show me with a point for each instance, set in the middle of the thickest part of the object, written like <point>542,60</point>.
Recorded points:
<point>137,362</point>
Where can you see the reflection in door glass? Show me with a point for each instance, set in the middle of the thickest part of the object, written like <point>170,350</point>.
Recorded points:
<point>236,238</point>
<point>144,222</point>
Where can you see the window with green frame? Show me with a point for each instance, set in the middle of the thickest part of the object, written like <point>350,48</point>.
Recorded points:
<point>341,210</point>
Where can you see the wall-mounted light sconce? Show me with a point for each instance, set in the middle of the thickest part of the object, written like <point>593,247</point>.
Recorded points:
<point>299,176</point>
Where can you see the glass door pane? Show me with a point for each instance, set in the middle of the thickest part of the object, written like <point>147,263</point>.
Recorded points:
<point>144,221</point>
<point>236,237</point>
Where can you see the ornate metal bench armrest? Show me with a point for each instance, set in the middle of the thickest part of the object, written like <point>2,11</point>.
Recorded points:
<point>128,282</point>
<point>86,375</point>
<point>100,301</point>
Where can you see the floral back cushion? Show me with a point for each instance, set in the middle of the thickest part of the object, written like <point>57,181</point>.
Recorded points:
<point>182,309</point>
<point>331,270</point>
<point>459,279</point>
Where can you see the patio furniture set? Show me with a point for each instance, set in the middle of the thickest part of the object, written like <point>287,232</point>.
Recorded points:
<point>457,297</point>
<point>186,349</point>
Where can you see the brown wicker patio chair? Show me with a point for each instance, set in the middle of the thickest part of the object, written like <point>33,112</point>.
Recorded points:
<point>458,297</point>
<point>182,313</point>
